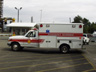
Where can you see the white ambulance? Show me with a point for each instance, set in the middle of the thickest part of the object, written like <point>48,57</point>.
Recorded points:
<point>64,36</point>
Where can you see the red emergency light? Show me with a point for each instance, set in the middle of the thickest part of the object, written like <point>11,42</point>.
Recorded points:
<point>35,29</point>
<point>41,25</point>
<point>80,26</point>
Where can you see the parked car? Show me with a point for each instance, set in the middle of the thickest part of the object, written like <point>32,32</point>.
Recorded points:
<point>93,39</point>
<point>86,39</point>
<point>94,34</point>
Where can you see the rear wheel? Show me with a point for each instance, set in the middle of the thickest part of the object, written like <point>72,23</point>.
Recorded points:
<point>83,43</point>
<point>87,43</point>
<point>15,47</point>
<point>64,48</point>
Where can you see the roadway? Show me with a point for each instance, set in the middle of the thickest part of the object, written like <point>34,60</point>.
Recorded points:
<point>42,60</point>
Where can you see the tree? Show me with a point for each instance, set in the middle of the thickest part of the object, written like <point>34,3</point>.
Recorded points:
<point>86,22</point>
<point>86,26</point>
<point>1,24</point>
<point>92,27</point>
<point>77,19</point>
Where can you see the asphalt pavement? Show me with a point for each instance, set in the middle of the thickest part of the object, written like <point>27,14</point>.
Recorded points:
<point>44,60</point>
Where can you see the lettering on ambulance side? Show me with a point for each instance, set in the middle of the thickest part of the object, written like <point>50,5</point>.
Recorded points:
<point>62,34</point>
<point>28,40</point>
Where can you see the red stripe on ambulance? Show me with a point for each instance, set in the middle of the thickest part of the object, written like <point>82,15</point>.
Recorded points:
<point>26,40</point>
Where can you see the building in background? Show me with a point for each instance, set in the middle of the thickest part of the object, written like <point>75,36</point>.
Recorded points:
<point>1,15</point>
<point>20,28</point>
<point>1,8</point>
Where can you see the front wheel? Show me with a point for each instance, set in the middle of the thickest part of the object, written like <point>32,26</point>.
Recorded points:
<point>64,48</point>
<point>15,47</point>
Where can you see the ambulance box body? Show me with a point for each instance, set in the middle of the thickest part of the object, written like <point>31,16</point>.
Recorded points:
<point>64,36</point>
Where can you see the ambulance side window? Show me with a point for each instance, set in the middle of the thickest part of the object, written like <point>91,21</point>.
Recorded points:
<point>31,34</point>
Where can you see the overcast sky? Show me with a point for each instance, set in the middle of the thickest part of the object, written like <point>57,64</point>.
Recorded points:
<point>52,10</point>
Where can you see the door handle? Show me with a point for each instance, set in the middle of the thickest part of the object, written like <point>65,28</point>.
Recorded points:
<point>47,41</point>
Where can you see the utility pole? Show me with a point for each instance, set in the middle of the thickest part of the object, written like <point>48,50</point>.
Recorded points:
<point>32,19</point>
<point>18,13</point>
<point>41,16</point>
<point>70,20</point>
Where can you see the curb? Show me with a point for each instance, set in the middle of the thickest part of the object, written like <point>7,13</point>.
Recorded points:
<point>5,34</point>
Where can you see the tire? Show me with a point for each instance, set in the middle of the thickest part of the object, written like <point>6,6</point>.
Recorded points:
<point>15,47</point>
<point>64,49</point>
<point>87,43</point>
<point>83,43</point>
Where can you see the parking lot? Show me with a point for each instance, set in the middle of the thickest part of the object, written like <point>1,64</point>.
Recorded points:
<point>42,60</point>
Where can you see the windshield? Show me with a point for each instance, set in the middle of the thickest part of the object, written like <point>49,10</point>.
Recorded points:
<point>31,34</point>
<point>84,35</point>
